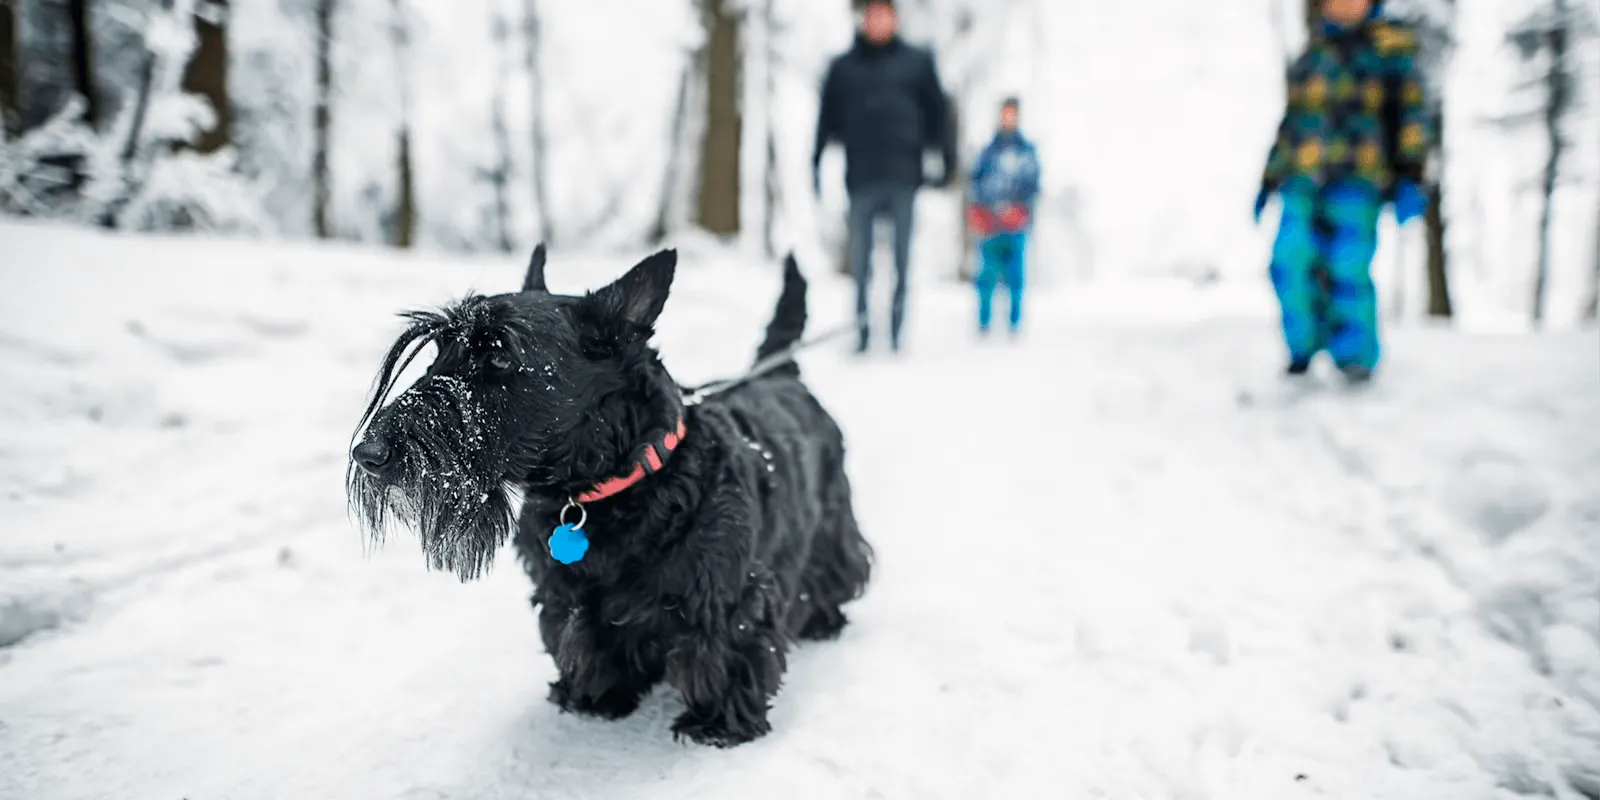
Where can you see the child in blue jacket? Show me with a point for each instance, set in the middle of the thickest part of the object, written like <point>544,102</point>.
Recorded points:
<point>1005,185</point>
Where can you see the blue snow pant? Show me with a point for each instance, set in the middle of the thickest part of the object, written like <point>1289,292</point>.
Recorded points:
<point>1000,261</point>
<point>1322,271</point>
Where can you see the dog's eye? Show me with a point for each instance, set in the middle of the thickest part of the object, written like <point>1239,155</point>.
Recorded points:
<point>500,361</point>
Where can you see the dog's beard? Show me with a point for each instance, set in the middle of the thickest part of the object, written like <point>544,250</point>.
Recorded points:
<point>460,526</point>
<point>450,485</point>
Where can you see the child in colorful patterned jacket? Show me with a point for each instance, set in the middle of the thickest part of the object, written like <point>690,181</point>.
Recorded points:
<point>1355,137</point>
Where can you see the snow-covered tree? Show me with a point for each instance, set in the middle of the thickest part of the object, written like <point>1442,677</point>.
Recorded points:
<point>54,60</point>
<point>1555,41</point>
<point>685,127</point>
<point>538,122</point>
<point>491,124</point>
<point>139,169</point>
<point>766,61</point>
<point>499,175</point>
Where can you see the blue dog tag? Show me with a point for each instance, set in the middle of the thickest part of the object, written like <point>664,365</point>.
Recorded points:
<point>568,544</point>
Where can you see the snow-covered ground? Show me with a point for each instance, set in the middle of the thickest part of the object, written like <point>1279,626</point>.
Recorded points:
<point>1119,558</point>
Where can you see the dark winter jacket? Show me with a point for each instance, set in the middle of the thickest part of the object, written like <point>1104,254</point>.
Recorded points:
<point>1356,110</point>
<point>885,105</point>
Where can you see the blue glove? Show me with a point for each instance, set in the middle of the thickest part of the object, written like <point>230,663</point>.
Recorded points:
<point>1261,202</point>
<point>1409,201</point>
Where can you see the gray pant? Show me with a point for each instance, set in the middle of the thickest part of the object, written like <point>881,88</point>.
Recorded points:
<point>867,205</point>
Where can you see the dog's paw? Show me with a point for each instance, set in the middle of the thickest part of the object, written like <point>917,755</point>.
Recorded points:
<point>716,732</point>
<point>561,695</point>
<point>824,624</point>
<point>611,705</point>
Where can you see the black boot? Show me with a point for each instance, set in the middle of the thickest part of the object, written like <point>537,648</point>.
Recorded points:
<point>1299,366</point>
<point>1355,373</point>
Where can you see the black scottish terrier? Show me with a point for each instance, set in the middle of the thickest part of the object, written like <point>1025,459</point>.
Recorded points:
<point>667,540</point>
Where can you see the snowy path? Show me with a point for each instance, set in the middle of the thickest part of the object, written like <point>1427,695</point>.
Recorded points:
<point>1117,560</point>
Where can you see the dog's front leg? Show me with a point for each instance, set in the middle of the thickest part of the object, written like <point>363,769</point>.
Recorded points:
<point>729,665</point>
<point>599,675</point>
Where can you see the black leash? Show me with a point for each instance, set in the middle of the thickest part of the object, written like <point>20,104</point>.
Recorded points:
<point>698,394</point>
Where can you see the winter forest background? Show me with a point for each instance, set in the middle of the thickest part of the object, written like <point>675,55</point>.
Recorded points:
<point>611,125</point>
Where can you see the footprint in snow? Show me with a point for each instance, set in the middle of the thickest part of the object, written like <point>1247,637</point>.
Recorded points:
<point>274,328</point>
<point>42,352</point>
<point>190,352</point>
<point>1497,494</point>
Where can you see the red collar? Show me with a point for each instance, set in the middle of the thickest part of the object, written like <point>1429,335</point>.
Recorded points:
<point>652,455</point>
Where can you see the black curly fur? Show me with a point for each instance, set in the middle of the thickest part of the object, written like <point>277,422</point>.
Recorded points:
<point>701,575</point>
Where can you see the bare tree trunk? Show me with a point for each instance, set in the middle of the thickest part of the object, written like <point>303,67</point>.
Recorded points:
<point>207,73</point>
<point>1439,304</point>
<point>770,172</point>
<point>405,230</point>
<point>83,60</point>
<point>141,110</point>
<point>322,124</point>
<point>134,154</point>
<point>1555,109</point>
<point>10,85</point>
<point>1592,311</point>
<point>774,196</point>
<point>669,181</point>
<point>719,154</point>
<point>966,267</point>
<point>1436,35</point>
<point>841,259</point>
<point>533,31</point>
<point>500,175</point>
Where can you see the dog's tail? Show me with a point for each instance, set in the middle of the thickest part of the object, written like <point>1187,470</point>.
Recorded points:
<point>788,319</point>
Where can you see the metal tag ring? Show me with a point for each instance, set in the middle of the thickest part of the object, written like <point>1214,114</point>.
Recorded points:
<point>583,514</point>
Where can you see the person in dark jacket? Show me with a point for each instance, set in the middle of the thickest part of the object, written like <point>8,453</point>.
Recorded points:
<point>882,100</point>
<point>1354,138</point>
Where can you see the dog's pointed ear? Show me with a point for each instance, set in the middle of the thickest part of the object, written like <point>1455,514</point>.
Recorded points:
<point>534,280</point>
<point>635,300</point>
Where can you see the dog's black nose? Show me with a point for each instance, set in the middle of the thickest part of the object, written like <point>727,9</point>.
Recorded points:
<point>372,456</point>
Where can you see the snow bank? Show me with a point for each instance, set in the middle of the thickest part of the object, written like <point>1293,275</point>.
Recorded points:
<point>1118,558</point>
